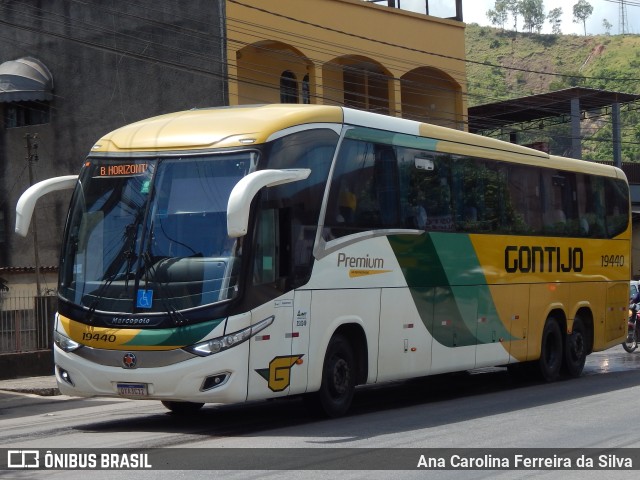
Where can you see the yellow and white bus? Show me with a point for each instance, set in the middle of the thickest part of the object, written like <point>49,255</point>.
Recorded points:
<point>233,254</point>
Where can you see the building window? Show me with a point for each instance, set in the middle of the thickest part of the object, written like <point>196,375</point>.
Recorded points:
<point>288,87</point>
<point>22,114</point>
<point>306,97</point>
<point>355,88</point>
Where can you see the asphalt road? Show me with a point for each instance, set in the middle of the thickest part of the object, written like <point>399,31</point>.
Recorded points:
<point>471,410</point>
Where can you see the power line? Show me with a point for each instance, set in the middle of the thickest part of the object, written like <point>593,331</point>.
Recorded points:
<point>185,67</point>
<point>119,50</point>
<point>417,50</point>
<point>113,32</point>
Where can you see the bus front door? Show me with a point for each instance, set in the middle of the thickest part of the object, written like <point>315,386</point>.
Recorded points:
<point>270,356</point>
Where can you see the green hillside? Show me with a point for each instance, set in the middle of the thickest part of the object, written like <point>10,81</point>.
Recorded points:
<point>503,65</point>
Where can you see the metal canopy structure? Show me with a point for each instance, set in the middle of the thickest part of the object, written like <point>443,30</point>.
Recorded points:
<point>25,79</point>
<point>538,107</point>
<point>570,102</point>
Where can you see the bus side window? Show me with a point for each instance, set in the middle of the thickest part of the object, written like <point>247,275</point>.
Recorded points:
<point>469,195</point>
<point>524,196</point>
<point>266,261</point>
<point>585,218</point>
<point>413,166</point>
<point>594,210</point>
<point>554,212</point>
<point>575,225</point>
<point>297,204</point>
<point>617,207</point>
<point>436,188</point>
<point>386,182</point>
<point>352,205</point>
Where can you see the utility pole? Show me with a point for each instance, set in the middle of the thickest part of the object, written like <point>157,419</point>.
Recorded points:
<point>32,157</point>
<point>622,17</point>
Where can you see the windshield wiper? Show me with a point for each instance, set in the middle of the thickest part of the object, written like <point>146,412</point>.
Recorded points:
<point>126,252</point>
<point>151,272</point>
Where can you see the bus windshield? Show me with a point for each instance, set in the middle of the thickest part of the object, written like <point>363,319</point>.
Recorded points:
<point>150,235</point>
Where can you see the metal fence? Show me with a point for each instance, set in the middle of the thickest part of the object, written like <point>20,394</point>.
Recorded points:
<point>26,322</point>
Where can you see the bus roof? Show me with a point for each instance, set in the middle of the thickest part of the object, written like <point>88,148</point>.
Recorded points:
<point>204,129</point>
<point>213,127</point>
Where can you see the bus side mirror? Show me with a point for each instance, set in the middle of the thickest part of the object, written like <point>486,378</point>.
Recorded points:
<point>27,202</point>
<point>247,188</point>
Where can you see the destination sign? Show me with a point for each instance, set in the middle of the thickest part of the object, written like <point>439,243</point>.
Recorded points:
<point>122,169</point>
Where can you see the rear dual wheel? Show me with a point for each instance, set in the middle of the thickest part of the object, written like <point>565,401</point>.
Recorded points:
<point>575,349</point>
<point>566,356</point>
<point>550,361</point>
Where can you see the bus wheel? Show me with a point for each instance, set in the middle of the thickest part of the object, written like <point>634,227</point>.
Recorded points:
<point>550,360</point>
<point>575,349</point>
<point>338,378</point>
<point>182,408</point>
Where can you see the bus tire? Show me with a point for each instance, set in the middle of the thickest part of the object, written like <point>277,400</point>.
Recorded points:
<point>575,349</point>
<point>551,358</point>
<point>338,378</point>
<point>182,408</point>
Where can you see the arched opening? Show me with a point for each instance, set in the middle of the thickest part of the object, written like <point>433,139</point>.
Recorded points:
<point>430,95</point>
<point>358,82</point>
<point>268,72</point>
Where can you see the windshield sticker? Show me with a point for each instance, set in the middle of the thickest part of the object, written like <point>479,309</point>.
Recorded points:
<point>283,303</point>
<point>145,298</point>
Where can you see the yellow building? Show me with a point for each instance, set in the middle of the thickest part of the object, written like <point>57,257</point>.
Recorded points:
<point>347,52</point>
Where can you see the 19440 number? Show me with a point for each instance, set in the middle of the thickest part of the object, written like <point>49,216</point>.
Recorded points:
<point>612,261</point>
<point>97,337</point>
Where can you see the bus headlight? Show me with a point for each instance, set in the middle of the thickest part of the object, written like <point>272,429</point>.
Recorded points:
<point>65,343</point>
<point>210,347</point>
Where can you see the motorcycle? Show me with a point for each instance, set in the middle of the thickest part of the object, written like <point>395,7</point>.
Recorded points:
<point>633,335</point>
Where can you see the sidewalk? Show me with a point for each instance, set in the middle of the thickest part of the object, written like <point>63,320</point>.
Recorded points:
<point>44,386</point>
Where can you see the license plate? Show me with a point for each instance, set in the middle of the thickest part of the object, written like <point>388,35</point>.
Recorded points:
<point>132,389</point>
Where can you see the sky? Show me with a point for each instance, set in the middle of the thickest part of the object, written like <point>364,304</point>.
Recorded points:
<point>474,11</point>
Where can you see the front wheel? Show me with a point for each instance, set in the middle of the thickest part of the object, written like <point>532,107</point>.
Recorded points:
<point>339,375</point>
<point>631,343</point>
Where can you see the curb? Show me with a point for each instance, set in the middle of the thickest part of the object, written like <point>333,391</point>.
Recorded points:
<point>45,386</point>
<point>40,391</point>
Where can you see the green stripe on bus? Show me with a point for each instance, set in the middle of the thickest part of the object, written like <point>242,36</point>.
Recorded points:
<point>449,289</point>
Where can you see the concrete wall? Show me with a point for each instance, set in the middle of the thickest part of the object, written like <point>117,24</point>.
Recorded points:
<point>26,364</point>
<point>112,63</point>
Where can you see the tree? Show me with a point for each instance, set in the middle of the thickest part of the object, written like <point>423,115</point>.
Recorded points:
<point>581,11</point>
<point>554,19</point>
<point>501,11</point>
<point>513,7</point>
<point>533,14</point>
<point>606,25</point>
<point>499,15</point>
